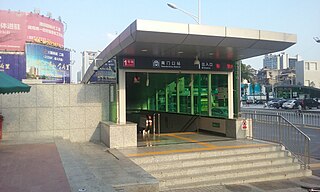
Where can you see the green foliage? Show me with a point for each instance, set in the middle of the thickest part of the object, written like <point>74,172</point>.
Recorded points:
<point>247,72</point>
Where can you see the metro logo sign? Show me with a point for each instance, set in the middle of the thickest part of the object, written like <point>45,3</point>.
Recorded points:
<point>128,63</point>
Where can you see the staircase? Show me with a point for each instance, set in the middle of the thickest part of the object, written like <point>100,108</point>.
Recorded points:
<point>220,167</point>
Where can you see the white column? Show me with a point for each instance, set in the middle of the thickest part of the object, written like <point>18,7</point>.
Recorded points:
<point>122,97</point>
<point>230,95</point>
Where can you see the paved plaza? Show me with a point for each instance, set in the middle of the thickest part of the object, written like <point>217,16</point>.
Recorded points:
<point>37,165</point>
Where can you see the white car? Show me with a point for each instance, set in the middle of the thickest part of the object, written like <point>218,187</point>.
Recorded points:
<point>291,104</point>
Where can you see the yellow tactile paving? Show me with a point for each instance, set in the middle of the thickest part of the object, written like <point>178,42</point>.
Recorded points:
<point>205,146</point>
<point>193,141</point>
<point>193,150</point>
<point>182,133</point>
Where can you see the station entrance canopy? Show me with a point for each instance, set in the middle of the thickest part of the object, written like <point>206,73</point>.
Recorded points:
<point>154,39</point>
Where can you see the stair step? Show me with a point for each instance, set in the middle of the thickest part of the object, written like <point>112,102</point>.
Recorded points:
<point>200,168</point>
<point>217,175</point>
<point>204,154</point>
<point>211,160</point>
<point>240,180</point>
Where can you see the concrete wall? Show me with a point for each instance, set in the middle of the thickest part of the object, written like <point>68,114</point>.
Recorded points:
<point>69,111</point>
<point>213,124</point>
<point>115,135</point>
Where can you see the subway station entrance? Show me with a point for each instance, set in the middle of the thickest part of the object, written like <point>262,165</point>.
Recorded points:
<point>186,77</point>
<point>176,101</point>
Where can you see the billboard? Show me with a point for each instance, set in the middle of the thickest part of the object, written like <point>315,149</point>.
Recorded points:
<point>50,64</point>
<point>12,31</point>
<point>13,65</point>
<point>44,30</point>
<point>16,28</point>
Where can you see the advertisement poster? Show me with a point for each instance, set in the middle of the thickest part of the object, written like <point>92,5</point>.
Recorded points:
<point>12,31</point>
<point>44,30</point>
<point>13,65</point>
<point>18,27</point>
<point>51,65</point>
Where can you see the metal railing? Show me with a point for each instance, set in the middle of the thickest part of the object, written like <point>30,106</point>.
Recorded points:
<point>302,119</point>
<point>156,124</point>
<point>276,128</point>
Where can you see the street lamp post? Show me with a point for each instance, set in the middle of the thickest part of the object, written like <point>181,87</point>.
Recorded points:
<point>194,17</point>
<point>317,39</point>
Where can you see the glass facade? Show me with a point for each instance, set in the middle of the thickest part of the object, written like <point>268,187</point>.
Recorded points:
<point>195,94</point>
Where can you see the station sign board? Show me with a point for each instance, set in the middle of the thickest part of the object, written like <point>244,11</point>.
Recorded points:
<point>106,73</point>
<point>175,64</point>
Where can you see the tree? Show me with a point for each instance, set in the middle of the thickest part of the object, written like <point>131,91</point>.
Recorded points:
<point>247,72</point>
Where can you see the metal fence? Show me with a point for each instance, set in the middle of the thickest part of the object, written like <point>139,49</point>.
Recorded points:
<point>276,128</point>
<point>301,119</point>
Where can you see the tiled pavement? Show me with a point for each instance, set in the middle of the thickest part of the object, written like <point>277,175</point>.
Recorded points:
<point>31,167</point>
<point>94,168</point>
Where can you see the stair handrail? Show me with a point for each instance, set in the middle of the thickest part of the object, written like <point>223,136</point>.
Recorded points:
<point>189,122</point>
<point>281,123</point>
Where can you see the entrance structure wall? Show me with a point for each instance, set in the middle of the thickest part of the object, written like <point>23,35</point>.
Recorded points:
<point>68,111</point>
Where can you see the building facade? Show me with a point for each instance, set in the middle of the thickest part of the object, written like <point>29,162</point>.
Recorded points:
<point>271,62</point>
<point>307,73</point>
<point>280,61</point>
<point>79,76</point>
<point>88,58</point>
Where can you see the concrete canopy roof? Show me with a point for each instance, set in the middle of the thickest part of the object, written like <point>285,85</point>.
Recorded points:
<point>175,40</point>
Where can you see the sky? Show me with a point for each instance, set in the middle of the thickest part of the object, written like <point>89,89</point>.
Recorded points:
<point>93,24</point>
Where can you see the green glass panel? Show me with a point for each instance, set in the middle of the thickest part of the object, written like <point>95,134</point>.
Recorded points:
<point>219,96</point>
<point>184,93</point>
<point>113,104</point>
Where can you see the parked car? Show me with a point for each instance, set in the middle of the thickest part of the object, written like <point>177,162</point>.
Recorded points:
<point>259,101</point>
<point>249,101</point>
<point>272,101</point>
<point>279,103</point>
<point>310,103</point>
<point>291,104</point>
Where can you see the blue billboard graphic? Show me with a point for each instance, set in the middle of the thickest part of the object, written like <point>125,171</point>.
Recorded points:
<point>51,65</point>
<point>106,73</point>
<point>13,65</point>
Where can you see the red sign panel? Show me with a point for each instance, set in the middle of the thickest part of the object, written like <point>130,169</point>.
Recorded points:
<point>44,30</point>
<point>229,66</point>
<point>128,62</point>
<point>18,27</point>
<point>244,124</point>
<point>12,31</point>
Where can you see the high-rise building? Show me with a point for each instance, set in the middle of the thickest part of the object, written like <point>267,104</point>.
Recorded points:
<point>307,73</point>
<point>87,58</point>
<point>271,62</point>
<point>293,60</point>
<point>79,76</point>
<point>280,61</point>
